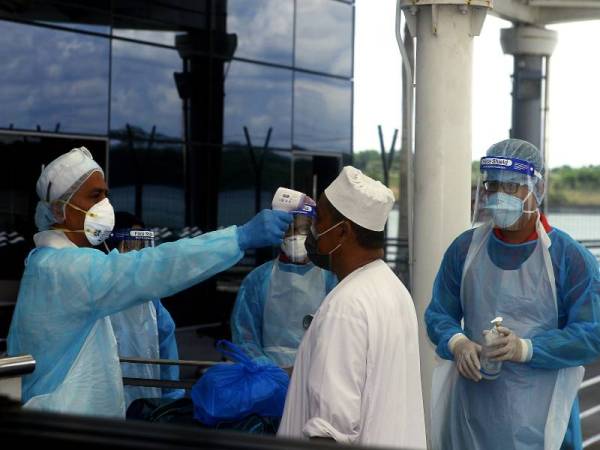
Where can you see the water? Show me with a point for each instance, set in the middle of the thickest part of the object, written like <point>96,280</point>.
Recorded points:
<point>582,226</point>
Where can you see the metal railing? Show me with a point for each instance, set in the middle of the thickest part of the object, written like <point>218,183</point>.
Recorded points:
<point>167,384</point>
<point>16,366</point>
<point>590,411</point>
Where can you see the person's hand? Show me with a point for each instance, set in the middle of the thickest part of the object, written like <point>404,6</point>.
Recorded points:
<point>466,355</point>
<point>265,229</point>
<point>509,347</point>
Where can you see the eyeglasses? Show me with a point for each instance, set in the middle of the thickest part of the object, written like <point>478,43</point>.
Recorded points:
<point>507,187</point>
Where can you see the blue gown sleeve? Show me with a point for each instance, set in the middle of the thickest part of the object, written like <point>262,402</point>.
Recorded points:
<point>247,316</point>
<point>577,340</point>
<point>444,313</point>
<point>120,280</point>
<point>167,349</point>
<point>91,284</point>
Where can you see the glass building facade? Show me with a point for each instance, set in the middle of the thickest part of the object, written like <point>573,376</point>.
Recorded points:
<point>196,109</point>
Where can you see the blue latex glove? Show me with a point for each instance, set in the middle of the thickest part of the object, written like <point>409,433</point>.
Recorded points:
<point>265,229</point>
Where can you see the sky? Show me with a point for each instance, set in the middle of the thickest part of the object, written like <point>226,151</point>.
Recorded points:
<point>574,86</point>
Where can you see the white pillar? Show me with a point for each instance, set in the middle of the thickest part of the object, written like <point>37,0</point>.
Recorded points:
<point>442,195</point>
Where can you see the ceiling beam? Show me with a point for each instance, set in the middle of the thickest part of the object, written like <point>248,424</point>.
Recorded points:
<point>516,11</point>
<point>562,15</point>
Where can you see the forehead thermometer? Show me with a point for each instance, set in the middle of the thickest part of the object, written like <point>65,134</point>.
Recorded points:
<point>288,200</point>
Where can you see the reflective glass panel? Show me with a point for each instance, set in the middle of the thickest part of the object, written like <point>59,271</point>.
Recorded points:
<point>238,185</point>
<point>258,98</point>
<point>263,28</point>
<point>54,80</point>
<point>94,17</point>
<point>159,22</point>
<point>143,92</point>
<point>146,179</point>
<point>324,36</point>
<point>322,113</point>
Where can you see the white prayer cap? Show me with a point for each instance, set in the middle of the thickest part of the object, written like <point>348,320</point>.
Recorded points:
<point>361,199</point>
<point>60,180</point>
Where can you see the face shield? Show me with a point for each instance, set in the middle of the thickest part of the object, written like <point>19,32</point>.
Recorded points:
<point>295,236</point>
<point>128,239</point>
<point>508,190</point>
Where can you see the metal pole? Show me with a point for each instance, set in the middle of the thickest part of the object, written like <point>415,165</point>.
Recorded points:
<point>531,48</point>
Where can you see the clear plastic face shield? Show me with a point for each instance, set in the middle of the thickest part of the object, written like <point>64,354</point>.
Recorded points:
<point>128,239</point>
<point>295,237</point>
<point>509,191</point>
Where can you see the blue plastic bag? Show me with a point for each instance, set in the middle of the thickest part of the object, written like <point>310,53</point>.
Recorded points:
<point>230,392</point>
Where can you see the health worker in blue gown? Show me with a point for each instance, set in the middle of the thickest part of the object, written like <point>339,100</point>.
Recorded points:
<point>546,288</point>
<point>69,290</point>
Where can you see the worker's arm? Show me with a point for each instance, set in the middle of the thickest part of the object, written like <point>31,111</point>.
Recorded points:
<point>247,315</point>
<point>444,313</point>
<point>578,342</point>
<point>337,375</point>
<point>119,280</point>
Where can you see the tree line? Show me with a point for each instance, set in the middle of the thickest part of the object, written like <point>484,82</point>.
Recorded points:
<point>568,187</point>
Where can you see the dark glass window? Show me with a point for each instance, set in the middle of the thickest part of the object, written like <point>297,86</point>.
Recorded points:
<point>264,29</point>
<point>53,80</point>
<point>158,22</point>
<point>146,179</point>
<point>64,13</point>
<point>143,93</point>
<point>322,113</point>
<point>155,37</point>
<point>258,98</point>
<point>239,189</point>
<point>324,36</point>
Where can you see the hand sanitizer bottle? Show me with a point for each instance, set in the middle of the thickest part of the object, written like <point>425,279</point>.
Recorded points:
<point>490,370</point>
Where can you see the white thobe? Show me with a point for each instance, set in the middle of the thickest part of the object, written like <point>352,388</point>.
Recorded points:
<point>357,377</point>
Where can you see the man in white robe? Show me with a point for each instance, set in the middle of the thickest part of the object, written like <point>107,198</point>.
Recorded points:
<point>357,378</point>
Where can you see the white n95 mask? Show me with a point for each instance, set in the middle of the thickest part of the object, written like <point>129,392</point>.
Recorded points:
<point>294,249</point>
<point>99,222</point>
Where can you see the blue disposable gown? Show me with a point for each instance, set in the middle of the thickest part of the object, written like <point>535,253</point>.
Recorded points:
<point>167,349</point>
<point>66,296</point>
<point>247,319</point>
<point>147,331</point>
<point>577,339</point>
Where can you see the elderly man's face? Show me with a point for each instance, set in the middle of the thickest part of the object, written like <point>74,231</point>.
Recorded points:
<point>94,190</point>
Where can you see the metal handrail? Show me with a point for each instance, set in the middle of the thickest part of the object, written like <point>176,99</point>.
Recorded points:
<point>154,383</point>
<point>16,366</point>
<point>591,411</point>
<point>591,441</point>
<point>171,362</point>
<point>590,382</point>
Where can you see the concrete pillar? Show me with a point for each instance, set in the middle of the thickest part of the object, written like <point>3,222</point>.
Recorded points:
<point>442,165</point>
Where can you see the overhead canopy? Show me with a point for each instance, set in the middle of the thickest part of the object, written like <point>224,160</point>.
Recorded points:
<point>544,12</point>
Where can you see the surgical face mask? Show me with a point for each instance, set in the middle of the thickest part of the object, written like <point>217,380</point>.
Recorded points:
<point>294,249</point>
<point>507,209</point>
<point>322,260</point>
<point>99,222</point>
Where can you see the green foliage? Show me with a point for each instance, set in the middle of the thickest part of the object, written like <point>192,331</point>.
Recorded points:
<point>568,186</point>
<point>369,162</point>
